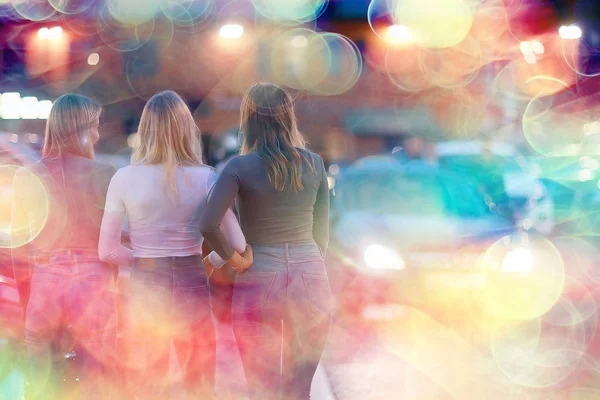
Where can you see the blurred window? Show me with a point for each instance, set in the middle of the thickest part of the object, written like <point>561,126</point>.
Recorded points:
<point>392,194</point>
<point>488,172</point>
<point>464,200</point>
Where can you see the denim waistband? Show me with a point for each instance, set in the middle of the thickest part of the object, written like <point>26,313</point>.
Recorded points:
<point>60,256</point>
<point>287,249</point>
<point>169,262</point>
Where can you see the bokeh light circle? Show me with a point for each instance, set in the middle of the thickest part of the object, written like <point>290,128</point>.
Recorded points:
<point>580,258</point>
<point>435,23</point>
<point>187,12</point>
<point>402,67</point>
<point>380,16</point>
<point>71,6</point>
<point>297,65</point>
<point>535,354</point>
<point>345,68</point>
<point>489,21</point>
<point>428,345</point>
<point>81,26</point>
<point>452,67</point>
<point>517,289</point>
<point>577,56</point>
<point>133,12</point>
<point>573,311</point>
<point>507,85</point>
<point>24,204</point>
<point>34,10</point>
<point>123,37</point>
<point>519,82</point>
<point>296,11</point>
<point>554,129</point>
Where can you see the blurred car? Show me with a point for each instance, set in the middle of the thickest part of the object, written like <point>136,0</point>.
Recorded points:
<point>409,234</point>
<point>572,183</point>
<point>509,182</point>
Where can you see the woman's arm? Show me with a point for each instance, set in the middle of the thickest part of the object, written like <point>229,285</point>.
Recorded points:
<point>219,202</point>
<point>230,227</point>
<point>321,210</point>
<point>110,248</point>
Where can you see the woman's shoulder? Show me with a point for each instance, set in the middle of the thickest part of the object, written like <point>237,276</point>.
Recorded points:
<point>246,157</point>
<point>121,174</point>
<point>313,157</point>
<point>243,161</point>
<point>199,171</point>
<point>105,167</point>
<point>311,154</point>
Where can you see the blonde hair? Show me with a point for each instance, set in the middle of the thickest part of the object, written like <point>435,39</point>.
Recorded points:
<point>168,135</point>
<point>68,126</point>
<point>268,126</point>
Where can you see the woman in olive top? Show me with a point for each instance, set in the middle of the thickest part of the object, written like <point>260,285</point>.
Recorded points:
<point>283,301</point>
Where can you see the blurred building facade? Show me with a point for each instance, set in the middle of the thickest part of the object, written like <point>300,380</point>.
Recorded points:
<point>359,91</point>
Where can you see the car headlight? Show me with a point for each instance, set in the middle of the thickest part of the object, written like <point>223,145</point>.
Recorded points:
<point>519,260</point>
<point>381,257</point>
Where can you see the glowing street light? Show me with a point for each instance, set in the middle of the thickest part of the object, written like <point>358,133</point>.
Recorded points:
<point>570,32</point>
<point>29,107</point>
<point>44,33</point>
<point>532,51</point>
<point>537,47</point>
<point>11,105</point>
<point>526,48</point>
<point>93,59</point>
<point>56,32</point>
<point>231,31</point>
<point>44,108</point>
<point>399,34</point>
<point>50,33</point>
<point>532,47</point>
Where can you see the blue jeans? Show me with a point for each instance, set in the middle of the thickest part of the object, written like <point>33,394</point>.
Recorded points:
<point>168,301</point>
<point>75,291</point>
<point>282,310</point>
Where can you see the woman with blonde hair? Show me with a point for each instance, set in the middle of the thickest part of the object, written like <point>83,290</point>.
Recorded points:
<point>282,303</point>
<point>56,216</point>
<point>163,194</point>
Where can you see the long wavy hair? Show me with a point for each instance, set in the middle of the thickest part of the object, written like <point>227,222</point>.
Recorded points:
<point>168,135</point>
<point>68,129</point>
<point>268,126</point>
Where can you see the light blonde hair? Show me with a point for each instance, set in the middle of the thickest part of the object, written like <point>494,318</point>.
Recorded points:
<point>168,135</point>
<point>268,126</point>
<point>68,126</point>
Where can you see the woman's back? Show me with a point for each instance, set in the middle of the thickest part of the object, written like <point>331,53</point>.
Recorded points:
<point>269,216</point>
<point>76,191</point>
<point>159,225</point>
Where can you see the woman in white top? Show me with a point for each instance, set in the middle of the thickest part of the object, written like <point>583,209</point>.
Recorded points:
<point>163,194</point>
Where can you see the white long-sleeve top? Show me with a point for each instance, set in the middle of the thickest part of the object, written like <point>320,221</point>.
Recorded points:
<point>159,226</point>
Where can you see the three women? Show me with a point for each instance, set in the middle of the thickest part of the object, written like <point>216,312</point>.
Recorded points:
<point>282,302</point>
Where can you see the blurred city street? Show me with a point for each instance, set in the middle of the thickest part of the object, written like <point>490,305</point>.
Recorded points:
<point>460,142</point>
